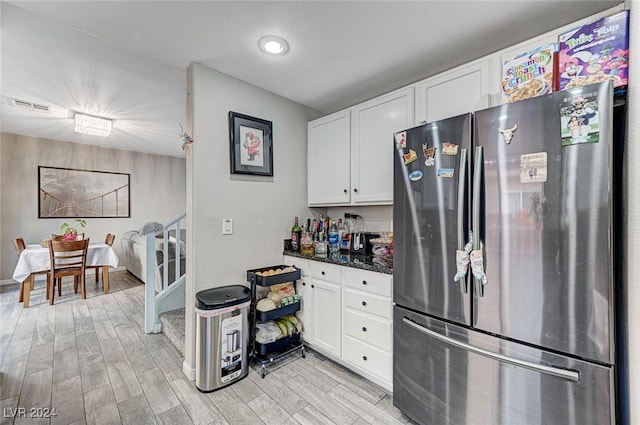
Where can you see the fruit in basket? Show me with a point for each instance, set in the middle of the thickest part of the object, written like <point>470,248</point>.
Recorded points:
<point>273,272</point>
<point>265,304</point>
<point>294,321</point>
<point>269,272</point>
<point>283,327</point>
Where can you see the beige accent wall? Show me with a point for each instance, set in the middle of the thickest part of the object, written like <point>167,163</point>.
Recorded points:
<point>158,187</point>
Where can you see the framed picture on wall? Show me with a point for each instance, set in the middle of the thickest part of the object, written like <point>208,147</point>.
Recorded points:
<point>71,193</point>
<point>251,145</point>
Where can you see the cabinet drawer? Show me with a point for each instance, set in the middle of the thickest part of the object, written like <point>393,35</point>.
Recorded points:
<point>300,263</point>
<point>366,357</point>
<point>376,283</point>
<point>377,332</point>
<point>324,271</point>
<point>369,303</point>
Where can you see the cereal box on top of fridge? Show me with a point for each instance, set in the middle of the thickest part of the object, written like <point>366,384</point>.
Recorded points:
<point>595,52</point>
<point>529,74</point>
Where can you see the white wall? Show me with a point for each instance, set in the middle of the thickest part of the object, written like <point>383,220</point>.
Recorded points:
<point>262,208</point>
<point>377,218</point>
<point>158,189</point>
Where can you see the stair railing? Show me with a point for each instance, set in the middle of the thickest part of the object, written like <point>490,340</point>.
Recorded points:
<point>159,267</point>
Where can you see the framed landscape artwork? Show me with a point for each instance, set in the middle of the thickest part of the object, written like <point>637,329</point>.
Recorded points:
<point>251,145</point>
<point>70,193</point>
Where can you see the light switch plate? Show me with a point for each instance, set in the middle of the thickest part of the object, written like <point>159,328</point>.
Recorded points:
<point>227,226</point>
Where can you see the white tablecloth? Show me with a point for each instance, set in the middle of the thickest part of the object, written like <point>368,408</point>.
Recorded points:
<point>36,259</point>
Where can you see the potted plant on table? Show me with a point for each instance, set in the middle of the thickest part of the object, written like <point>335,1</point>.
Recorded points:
<point>70,233</point>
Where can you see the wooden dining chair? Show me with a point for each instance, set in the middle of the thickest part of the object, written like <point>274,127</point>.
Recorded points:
<point>55,237</point>
<point>67,259</point>
<point>109,241</point>
<point>19,246</point>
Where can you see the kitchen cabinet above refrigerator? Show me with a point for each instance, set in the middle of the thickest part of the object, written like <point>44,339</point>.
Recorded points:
<point>348,151</point>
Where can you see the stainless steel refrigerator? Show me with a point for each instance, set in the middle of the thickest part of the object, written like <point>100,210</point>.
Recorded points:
<point>503,265</point>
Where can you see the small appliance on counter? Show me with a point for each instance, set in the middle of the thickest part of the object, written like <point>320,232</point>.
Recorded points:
<point>360,242</point>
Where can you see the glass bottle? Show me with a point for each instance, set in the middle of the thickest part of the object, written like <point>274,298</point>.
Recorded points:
<point>296,233</point>
<point>334,238</point>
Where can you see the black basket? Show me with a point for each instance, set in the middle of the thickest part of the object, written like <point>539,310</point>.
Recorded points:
<point>277,345</point>
<point>265,316</point>
<point>273,279</point>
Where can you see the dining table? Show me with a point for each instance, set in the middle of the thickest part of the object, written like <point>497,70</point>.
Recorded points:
<point>35,259</point>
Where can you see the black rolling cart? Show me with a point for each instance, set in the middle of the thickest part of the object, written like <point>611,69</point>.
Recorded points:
<point>266,354</point>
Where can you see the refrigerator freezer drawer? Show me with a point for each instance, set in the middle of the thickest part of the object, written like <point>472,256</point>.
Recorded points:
<point>377,332</point>
<point>448,374</point>
<point>368,358</point>
<point>376,283</point>
<point>368,303</point>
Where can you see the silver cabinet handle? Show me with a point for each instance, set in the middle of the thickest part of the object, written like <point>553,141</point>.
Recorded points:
<point>570,375</point>
<point>475,212</point>
<point>462,185</point>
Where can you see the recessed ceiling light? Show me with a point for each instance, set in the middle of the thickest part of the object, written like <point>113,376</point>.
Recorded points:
<point>94,126</point>
<point>273,45</point>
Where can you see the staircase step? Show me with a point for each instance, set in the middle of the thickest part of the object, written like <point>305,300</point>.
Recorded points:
<point>173,328</point>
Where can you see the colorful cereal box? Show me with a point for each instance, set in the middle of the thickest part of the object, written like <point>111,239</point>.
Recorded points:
<point>595,52</point>
<point>529,74</point>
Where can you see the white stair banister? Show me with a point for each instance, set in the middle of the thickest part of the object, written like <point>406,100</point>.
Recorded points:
<point>171,295</point>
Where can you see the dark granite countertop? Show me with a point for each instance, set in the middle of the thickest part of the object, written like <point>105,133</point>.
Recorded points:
<point>364,262</point>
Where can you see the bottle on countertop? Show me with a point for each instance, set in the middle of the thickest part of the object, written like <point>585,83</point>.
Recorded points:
<point>334,238</point>
<point>296,233</point>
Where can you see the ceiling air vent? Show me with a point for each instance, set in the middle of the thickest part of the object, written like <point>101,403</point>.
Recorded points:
<point>30,105</point>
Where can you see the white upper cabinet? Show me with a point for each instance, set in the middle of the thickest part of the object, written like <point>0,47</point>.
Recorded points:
<point>455,92</point>
<point>350,153</point>
<point>373,125</point>
<point>328,159</point>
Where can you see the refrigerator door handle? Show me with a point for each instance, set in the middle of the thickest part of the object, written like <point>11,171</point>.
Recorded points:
<point>568,374</point>
<point>462,185</point>
<point>475,212</point>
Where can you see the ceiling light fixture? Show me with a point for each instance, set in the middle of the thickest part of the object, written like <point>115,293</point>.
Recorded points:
<point>95,126</point>
<point>273,45</point>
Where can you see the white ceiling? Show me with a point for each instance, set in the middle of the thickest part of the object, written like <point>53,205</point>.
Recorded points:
<point>126,60</point>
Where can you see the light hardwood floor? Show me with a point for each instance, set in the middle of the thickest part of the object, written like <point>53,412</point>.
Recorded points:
<point>91,362</point>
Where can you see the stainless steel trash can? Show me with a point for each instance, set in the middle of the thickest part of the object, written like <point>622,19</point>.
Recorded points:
<point>222,336</point>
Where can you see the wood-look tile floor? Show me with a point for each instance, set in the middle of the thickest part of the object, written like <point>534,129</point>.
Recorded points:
<point>90,362</point>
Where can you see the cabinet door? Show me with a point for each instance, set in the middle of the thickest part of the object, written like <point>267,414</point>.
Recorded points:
<point>328,157</point>
<point>372,147</point>
<point>303,286</point>
<point>326,316</point>
<point>461,90</point>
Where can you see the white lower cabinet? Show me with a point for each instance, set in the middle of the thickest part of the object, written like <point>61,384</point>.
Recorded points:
<point>321,290</point>
<point>325,300</point>
<point>369,329</point>
<point>369,359</point>
<point>368,323</point>
<point>347,315</point>
<point>303,288</point>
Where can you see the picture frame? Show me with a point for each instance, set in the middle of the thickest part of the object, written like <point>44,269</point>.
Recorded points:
<point>251,145</point>
<point>75,193</point>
